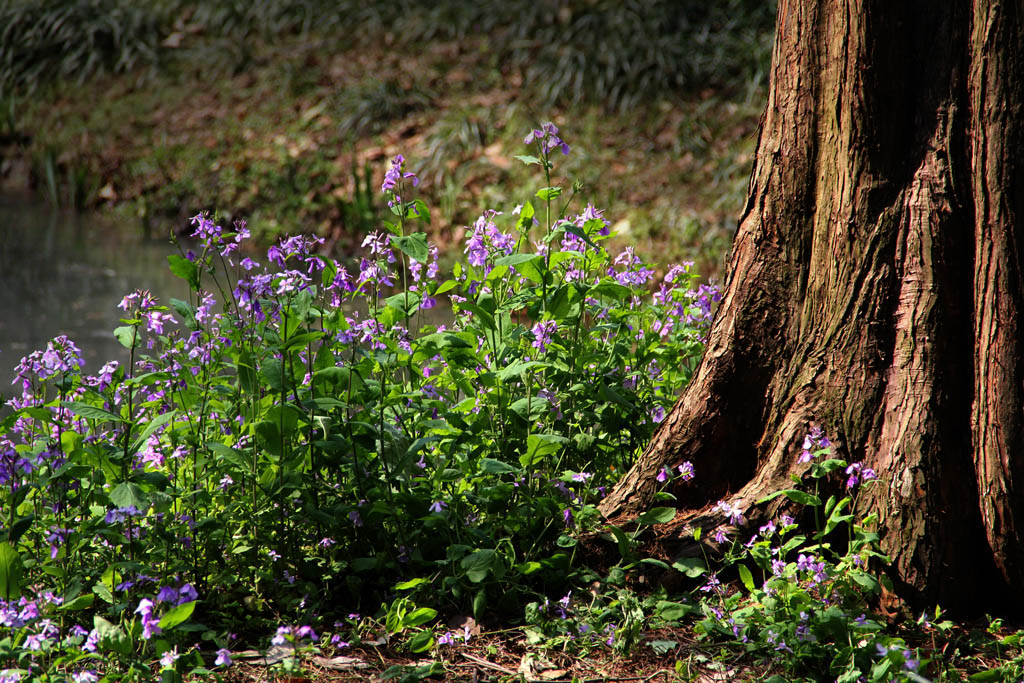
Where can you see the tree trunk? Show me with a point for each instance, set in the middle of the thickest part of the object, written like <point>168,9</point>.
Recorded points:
<point>873,289</point>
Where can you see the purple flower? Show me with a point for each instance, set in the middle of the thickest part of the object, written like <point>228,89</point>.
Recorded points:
<point>547,137</point>
<point>326,542</point>
<point>712,585</point>
<point>169,657</point>
<point>815,441</point>
<point>732,511</point>
<point>223,657</point>
<point>167,594</point>
<point>567,517</point>
<point>542,332</point>
<point>394,177</point>
<point>187,593</point>
<point>438,506</point>
<point>686,471</point>
<point>721,535</point>
<point>150,624</point>
<point>486,240</point>
<point>657,414</point>
<point>662,475</point>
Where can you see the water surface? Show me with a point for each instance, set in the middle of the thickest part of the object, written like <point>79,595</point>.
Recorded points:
<point>64,273</point>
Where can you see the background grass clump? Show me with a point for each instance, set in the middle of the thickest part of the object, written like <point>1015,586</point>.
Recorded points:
<point>620,52</point>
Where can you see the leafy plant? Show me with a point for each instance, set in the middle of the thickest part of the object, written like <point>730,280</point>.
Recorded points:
<point>305,440</point>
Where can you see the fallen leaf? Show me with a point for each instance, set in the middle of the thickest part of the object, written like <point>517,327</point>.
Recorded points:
<point>461,623</point>
<point>340,663</point>
<point>534,669</point>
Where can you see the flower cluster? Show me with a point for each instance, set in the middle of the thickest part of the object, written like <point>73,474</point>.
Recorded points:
<point>547,139</point>
<point>394,178</point>
<point>815,443</point>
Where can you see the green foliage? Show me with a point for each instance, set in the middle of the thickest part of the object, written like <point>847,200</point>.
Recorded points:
<point>316,441</point>
<point>627,52</point>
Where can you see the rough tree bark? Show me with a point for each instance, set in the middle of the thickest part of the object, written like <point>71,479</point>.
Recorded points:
<point>873,288</point>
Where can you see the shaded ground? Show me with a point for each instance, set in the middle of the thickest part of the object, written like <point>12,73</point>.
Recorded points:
<point>507,657</point>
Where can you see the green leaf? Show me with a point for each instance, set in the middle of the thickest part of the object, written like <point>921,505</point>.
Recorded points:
<point>20,526</point>
<point>184,309</point>
<point>865,580</point>
<point>538,446</point>
<point>532,270</point>
<point>572,229</point>
<point>411,583</point>
<point>802,497</point>
<point>484,317</point>
<point>477,565</point>
<point>516,259</point>
<point>126,494</point>
<point>622,541</point>
<point>91,412</point>
<point>102,590</point>
<point>419,616</point>
<point>480,604</point>
<point>405,303</point>
<point>986,676</point>
<point>656,516</point>
<point>231,455</point>
<point>445,286</point>
<point>307,337</point>
<point>185,269</point>
<point>527,568</point>
<point>421,211</point>
<point>492,466</point>
<point>246,369</point>
<point>673,611</point>
<point>177,615</point>
<point>832,464</point>
<point>662,647</point>
<point>549,193</point>
<point>746,577</point>
<point>612,289</point>
<point>112,636</point>
<point>691,566</point>
<point>770,496</point>
<point>526,216</point>
<point>125,335</point>
<point>515,369</point>
<point>154,425</point>
<point>421,642</point>
<point>11,570</point>
<point>527,159</point>
<point>81,602</point>
<point>654,562</point>
<point>414,246</point>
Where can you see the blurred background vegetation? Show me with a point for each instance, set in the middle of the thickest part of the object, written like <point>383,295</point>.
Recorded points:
<point>285,111</point>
